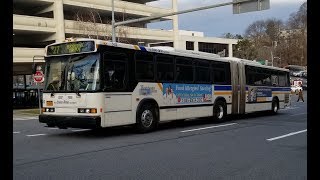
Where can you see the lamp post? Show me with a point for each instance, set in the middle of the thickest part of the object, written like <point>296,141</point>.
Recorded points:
<point>113,22</point>
<point>271,53</point>
<point>239,6</point>
<point>279,60</point>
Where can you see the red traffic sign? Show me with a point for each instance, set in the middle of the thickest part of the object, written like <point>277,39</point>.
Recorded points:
<point>38,77</point>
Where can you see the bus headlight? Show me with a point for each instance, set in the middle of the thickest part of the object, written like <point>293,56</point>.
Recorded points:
<point>47,109</point>
<point>87,110</point>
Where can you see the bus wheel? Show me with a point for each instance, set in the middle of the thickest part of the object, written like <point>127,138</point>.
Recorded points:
<point>219,111</point>
<point>50,125</point>
<point>146,118</point>
<point>275,106</point>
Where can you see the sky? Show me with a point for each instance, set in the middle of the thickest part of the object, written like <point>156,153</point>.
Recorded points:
<point>218,21</point>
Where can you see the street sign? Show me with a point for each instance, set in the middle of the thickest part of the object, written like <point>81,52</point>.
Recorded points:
<point>243,6</point>
<point>38,77</point>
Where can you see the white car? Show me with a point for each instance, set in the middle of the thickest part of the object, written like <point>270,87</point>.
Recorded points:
<point>296,89</point>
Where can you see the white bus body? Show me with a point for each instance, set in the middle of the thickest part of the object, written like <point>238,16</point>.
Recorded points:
<point>169,100</point>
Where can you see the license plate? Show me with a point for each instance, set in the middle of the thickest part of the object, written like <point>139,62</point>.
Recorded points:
<point>49,103</point>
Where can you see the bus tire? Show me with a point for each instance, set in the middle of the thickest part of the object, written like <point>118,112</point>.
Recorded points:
<point>50,125</point>
<point>219,111</point>
<point>147,119</point>
<point>275,106</point>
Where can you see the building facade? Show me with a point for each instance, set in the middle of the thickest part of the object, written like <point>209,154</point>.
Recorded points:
<point>196,41</point>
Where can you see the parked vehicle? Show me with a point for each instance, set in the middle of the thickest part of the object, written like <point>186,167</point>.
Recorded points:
<point>295,89</point>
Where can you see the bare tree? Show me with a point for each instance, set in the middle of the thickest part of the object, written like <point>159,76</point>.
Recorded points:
<point>298,20</point>
<point>287,41</point>
<point>91,25</point>
<point>257,33</point>
<point>245,49</point>
<point>294,41</point>
<point>273,27</point>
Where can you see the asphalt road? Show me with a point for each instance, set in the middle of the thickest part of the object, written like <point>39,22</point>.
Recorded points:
<point>255,146</point>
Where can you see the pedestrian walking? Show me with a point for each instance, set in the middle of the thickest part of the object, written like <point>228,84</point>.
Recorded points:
<point>300,96</point>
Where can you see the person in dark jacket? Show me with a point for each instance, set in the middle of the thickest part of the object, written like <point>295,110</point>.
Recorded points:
<point>300,96</point>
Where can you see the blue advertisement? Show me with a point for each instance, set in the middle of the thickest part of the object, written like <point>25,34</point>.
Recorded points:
<point>186,93</point>
<point>264,92</point>
<point>258,92</point>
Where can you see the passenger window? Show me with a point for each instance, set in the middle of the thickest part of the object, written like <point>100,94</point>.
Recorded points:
<point>115,71</point>
<point>164,68</point>
<point>144,66</point>
<point>184,70</point>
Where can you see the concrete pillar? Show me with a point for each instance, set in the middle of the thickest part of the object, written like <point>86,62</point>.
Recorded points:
<point>59,19</point>
<point>196,46</point>
<point>175,25</point>
<point>230,53</point>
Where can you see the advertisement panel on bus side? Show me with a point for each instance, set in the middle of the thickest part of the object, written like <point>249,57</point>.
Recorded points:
<point>186,93</point>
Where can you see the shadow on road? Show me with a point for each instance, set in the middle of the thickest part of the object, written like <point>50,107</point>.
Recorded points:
<point>171,125</point>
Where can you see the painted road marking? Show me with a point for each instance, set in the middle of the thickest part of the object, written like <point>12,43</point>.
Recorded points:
<point>32,135</point>
<point>286,135</point>
<point>297,114</point>
<point>24,118</point>
<point>288,108</point>
<point>16,132</point>
<point>52,128</point>
<point>78,130</point>
<point>208,127</point>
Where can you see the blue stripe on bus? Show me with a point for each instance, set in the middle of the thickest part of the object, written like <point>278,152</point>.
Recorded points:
<point>280,89</point>
<point>222,88</point>
<point>228,87</point>
<point>142,48</point>
<point>273,88</point>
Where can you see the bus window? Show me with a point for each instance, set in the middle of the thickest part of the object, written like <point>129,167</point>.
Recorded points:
<point>274,80</point>
<point>184,70</point>
<point>164,68</point>
<point>144,66</point>
<point>283,79</point>
<point>203,72</point>
<point>115,72</point>
<point>266,81</point>
<point>220,73</point>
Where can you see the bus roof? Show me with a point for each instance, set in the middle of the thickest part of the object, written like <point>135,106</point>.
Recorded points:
<point>171,51</point>
<point>254,63</point>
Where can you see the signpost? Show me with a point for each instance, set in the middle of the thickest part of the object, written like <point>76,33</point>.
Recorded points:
<point>239,6</point>
<point>38,77</point>
<point>243,6</point>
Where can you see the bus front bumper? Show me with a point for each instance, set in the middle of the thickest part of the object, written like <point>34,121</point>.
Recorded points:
<point>90,122</point>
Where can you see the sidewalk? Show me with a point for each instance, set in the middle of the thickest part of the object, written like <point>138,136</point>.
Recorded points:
<point>25,114</point>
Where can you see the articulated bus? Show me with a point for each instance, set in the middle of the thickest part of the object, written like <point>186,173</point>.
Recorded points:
<point>93,84</point>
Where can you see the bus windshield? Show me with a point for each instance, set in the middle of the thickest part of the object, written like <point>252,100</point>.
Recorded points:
<point>72,73</point>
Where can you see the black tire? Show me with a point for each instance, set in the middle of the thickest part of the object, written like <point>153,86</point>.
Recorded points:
<point>219,111</point>
<point>50,125</point>
<point>275,106</point>
<point>147,119</point>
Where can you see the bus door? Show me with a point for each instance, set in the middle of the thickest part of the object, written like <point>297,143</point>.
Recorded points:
<point>238,88</point>
<point>117,104</point>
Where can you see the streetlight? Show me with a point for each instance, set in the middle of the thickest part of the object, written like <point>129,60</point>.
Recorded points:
<point>113,22</point>
<point>279,59</point>
<point>271,53</point>
<point>239,6</point>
